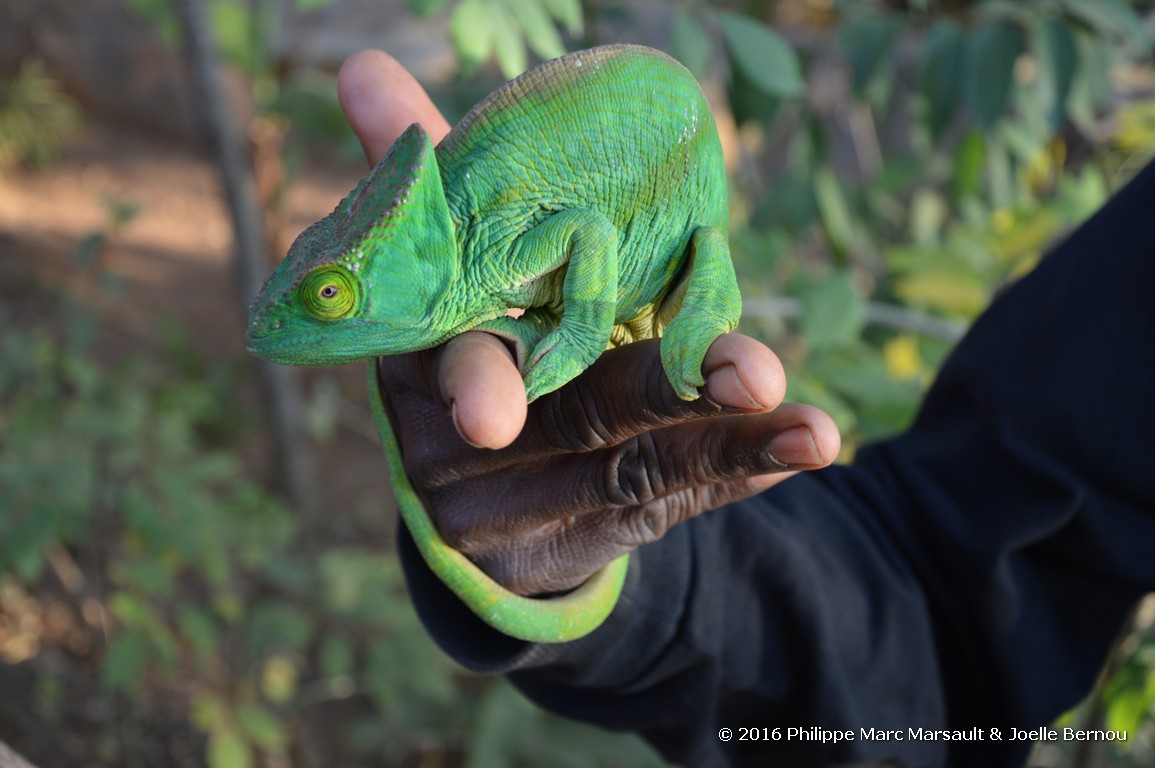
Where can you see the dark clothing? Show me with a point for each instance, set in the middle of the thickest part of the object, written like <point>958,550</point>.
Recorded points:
<point>971,573</point>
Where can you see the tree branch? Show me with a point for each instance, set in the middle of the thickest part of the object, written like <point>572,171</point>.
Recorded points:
<point>885,315</point>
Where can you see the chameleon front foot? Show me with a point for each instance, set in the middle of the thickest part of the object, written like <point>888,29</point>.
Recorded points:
<point>708,304</point>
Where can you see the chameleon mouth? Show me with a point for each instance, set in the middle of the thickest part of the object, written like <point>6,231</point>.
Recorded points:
<point>264,342</point>
<point>294,343</point>
<point>293,349</point>
<point>277,344</point>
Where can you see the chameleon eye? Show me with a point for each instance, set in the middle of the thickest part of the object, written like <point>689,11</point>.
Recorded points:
<point>329,293</point>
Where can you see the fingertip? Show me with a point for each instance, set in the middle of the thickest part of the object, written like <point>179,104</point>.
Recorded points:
<point>826,436</point>
<point>381,99</point>
<point>806,439</point>
<point>484,389</point>
<point>812,442</point>
<point>743,373</point>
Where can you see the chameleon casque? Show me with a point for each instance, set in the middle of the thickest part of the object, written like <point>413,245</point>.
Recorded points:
<point>590,192</point>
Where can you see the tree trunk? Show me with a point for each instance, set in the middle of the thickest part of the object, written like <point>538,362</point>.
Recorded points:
<point>280,388</point>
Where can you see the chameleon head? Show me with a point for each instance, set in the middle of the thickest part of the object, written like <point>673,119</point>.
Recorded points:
<point>370,277</point>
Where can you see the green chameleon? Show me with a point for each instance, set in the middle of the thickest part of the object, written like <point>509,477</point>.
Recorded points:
<point>590,192</point>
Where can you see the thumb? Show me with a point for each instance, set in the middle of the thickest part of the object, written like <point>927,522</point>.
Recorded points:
<point>381,99</point>
<point>483,388</point>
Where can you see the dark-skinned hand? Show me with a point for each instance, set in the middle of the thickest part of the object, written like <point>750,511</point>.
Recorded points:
<point>541,497</point>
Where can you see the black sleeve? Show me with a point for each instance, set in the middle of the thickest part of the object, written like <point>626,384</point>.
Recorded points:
<point>968,575</point>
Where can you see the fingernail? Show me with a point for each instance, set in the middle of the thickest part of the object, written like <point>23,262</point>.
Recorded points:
<point>795,447</point>
<point>725,387</point>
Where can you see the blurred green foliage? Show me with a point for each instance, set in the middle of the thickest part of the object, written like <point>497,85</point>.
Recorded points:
<point>895,165</point>
<point>197,587</point>
<point>1128,695</point>
<point>35,117</point>
<point>480,29</point>
<point>929,161</point>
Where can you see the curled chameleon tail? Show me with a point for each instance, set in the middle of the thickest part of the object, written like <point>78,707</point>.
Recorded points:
<point>549,620</point>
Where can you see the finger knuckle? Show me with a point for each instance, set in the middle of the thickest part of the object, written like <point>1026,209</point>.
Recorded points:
<point>648,522</point>
<point>574,421</point>
<point>634,473</point>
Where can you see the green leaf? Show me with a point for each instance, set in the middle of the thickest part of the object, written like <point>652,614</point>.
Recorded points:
<point>309,101</point>
<point>312,5</point>
<point>859,373</point>
<point>149,9</point>
<point>336,656</point>
<point>991,59</point>
<point>1080,195</point>
<point>791,206</point>
<point>867,41</point>
<point>423,8</point>
<point>129,610</point>
<point>1057,58</point>
<point>261,727</point>
<point>833,312</point>
<point>1126,710</point>
<point>227,749</point>
<point>1113,18</point>
<point>163,642</point>
<point>159,13</point>
<point>279,677</point>
<point>762,56</point>
<point>472,34</point>
<point>233,25</point>
<point>999,173</point>
<point>952,291</point>
<point>540,33</point>
<point>508,42</point>
<point>275,625</point>
<point>836,218</point>
<point>748,102</point>
<point>150,576</point>
<point>804,388</point>
<point>969,162</point>
<point>912,259</point>
<point>1091,89</point>
<point>939,80</point>
<point>197,629</point>
<point>928,212</point>
<point>689,43</point>
<point>125,659</point>
<point>1019,247</point>
<point>568,14</point>
<point>209,712</point>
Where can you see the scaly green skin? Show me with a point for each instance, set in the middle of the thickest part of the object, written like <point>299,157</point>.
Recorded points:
<point>591,192</point>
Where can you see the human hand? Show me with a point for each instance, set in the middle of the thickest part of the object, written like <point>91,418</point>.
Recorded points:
<point>542,497</point>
